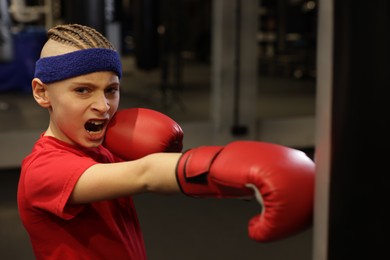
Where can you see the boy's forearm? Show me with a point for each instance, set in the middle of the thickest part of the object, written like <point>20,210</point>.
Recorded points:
<point>160,176</point>
<point>152,173</point>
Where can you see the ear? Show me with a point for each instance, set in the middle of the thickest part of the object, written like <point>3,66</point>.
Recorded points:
<point>40,94</point>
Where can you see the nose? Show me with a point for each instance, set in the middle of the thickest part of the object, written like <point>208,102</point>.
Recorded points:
<point>101,103</point>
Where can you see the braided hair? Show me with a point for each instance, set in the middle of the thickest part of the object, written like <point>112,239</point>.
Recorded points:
<point>79,36</point>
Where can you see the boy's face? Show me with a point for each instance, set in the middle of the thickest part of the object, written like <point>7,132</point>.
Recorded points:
<point>80,107</point>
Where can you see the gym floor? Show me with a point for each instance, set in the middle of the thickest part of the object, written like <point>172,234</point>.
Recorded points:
<point>175,227</point>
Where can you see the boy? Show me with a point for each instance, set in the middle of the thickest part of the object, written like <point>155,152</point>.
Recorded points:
<point>58,178</point>
<point>74,195</point>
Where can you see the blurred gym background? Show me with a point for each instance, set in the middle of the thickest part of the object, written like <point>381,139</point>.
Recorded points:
<point>223,69</point>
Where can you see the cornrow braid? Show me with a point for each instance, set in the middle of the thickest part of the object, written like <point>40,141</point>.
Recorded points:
<point>79,36</point>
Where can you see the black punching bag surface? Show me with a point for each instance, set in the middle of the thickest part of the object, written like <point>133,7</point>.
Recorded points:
<point>146,16</point>
<point>359,179</point>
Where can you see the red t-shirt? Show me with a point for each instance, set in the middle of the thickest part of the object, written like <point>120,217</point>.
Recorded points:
<point>101,230</point>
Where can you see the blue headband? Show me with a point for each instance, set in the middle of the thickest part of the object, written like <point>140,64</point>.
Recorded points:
<point>72,64</point>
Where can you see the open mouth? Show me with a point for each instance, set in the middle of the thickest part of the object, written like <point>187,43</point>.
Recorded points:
<point>95,126</point>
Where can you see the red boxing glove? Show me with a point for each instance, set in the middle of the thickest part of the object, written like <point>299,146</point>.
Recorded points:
<point>281,178</point>
<point>136,132</point>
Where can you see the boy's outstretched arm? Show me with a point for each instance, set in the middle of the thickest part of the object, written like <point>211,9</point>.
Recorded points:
<point>279,177</point>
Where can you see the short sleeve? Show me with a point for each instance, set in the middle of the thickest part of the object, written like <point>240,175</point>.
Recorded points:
<point>51,179</point>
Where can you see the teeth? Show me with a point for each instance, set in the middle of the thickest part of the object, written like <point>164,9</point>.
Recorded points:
<point>94,126</point>
<point>96,122</point>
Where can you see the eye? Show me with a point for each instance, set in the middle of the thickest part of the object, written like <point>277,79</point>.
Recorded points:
<point>112,90</point>
<point>82,90</point>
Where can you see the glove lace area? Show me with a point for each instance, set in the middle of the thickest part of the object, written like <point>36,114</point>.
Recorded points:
<point>258,195</point>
